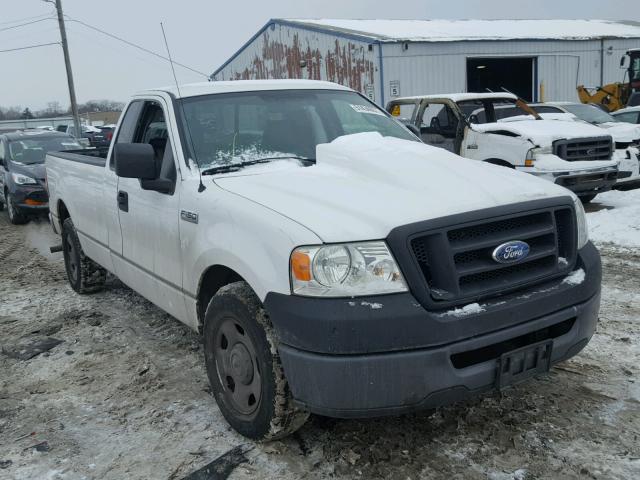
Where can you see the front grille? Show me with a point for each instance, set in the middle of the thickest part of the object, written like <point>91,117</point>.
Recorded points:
<point>456,262</point>
<point>584,149</point>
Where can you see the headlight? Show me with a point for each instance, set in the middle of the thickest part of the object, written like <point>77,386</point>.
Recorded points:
<point>23,179</point>
<point>530,158</point>
<point>581,220</point>
<point>345,270</point>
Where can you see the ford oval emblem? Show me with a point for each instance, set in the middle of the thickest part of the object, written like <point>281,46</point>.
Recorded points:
<point>511,252</point>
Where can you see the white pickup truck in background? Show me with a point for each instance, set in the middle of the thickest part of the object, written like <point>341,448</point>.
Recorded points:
<point>333,263</point>
<point>625,135</point>
<point>579,157</point>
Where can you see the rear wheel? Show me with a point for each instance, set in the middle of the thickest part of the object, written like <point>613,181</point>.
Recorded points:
<point>587,198</point>
<point>84,275</point>
<point>15,216</point>
<point>244,367</point>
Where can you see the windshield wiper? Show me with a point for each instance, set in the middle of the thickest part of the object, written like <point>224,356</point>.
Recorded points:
<point>234,167</point>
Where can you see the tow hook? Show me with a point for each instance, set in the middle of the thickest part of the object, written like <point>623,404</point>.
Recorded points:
<point>55,248</point>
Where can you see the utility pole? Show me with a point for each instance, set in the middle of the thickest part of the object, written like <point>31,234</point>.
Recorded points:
<point>67,64</point>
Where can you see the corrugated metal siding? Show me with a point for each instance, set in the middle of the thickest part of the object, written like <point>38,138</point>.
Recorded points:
<point>283,51</point>
<point>427,68</point>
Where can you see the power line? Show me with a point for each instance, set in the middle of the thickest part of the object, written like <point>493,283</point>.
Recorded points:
<point>25,24</point>
<point>17,20</point>
<point>131,44</point>
<point>29,46</point>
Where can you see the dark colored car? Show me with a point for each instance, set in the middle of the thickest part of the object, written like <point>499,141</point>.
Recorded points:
<point>22,172</point>
<point>95,135</point>
<point>107,131</point>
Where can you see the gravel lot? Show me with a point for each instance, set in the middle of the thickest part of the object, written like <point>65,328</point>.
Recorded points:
<point>125,395</point>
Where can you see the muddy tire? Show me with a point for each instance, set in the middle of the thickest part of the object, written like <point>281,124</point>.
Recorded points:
<point>587,198</point>
<point>15,217</point>
<point>84,275</point>
<point>244,367</point>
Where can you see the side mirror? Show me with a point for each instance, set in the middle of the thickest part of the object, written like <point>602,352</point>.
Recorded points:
<point>623,61</point>
<point>135,160</point>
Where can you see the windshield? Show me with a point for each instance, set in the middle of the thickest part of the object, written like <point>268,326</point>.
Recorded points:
<point>231,129</point>
<point>29,151</point>
<point>589,113</point>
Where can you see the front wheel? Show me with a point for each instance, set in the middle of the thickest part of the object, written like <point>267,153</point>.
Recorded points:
<point>15,216</point>
<point>587,198</point>
<point>243,366</point>
<point>84,275</point>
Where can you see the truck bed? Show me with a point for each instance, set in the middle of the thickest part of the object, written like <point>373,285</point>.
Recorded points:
<point>90,156</point>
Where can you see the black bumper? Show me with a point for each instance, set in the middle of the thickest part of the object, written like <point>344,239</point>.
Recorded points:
<point>588,184</point>
<point>387,355</point>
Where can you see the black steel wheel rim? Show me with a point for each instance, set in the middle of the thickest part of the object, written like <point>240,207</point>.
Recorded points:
<point>237,367</point>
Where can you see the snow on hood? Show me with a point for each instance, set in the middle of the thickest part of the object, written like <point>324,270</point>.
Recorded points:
<point>622,132</point>
<point>543,132</point>
<point>364,185</point>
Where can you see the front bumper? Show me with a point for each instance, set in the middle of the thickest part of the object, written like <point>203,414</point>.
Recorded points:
<point>628,165</point>
<point>30,198</point>
<point>357,358</point>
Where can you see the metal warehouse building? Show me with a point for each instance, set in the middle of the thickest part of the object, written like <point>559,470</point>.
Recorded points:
<point>536,59</point>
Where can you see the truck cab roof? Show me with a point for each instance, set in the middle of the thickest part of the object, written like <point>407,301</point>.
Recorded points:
<point>208,88</point>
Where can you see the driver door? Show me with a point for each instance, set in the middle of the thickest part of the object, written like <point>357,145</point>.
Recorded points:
<point>151,259</point>
<point>439,126</point>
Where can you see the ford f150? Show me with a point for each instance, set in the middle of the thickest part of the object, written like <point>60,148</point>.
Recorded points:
<point>579,157</point>
<point>333,263</point>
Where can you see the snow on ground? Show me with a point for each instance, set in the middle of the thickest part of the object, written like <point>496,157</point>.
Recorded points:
<point>614,218</point>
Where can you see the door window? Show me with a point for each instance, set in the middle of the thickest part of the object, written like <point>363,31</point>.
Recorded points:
<point>439,119</point>
<point>128,126</point>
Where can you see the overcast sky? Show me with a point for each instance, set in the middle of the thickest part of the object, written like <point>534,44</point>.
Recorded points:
<point>203,34</point>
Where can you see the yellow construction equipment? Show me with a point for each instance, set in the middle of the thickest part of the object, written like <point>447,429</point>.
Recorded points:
<point>614,96</point>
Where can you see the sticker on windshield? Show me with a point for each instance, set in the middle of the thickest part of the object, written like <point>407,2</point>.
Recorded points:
<point>367,109</point>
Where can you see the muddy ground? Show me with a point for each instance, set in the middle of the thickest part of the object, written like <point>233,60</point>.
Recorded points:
<point>125,396</point>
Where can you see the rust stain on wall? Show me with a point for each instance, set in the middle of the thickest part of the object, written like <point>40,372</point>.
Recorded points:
<point>345,63</point>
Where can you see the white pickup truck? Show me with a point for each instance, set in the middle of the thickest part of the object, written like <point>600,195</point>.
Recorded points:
<point>579,157</point>
<point>333,263</point>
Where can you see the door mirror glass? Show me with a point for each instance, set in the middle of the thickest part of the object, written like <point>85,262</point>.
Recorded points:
<point>135,160</point>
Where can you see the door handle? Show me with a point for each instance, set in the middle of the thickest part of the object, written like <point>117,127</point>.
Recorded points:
<point>123,201</point>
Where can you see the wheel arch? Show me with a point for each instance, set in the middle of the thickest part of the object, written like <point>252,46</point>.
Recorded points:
<point>63,213</point>
<point>213,279</point>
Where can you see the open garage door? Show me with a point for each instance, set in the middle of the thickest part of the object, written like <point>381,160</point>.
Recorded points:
<point>516,74</point>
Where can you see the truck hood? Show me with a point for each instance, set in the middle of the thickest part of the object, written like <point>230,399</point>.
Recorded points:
<point>622,132</point>
<point>364,185</point>
<point>543,132</point>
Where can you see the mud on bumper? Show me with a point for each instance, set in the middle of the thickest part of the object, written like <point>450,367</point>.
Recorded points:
<point>338,377</point>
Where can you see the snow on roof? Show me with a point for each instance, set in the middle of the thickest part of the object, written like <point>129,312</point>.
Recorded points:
<point>456,30</point>
<point>206,88</point>
<point>460,97</point>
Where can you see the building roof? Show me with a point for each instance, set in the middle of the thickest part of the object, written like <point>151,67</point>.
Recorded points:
<point>461,30</point>
<point>235,86</point>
